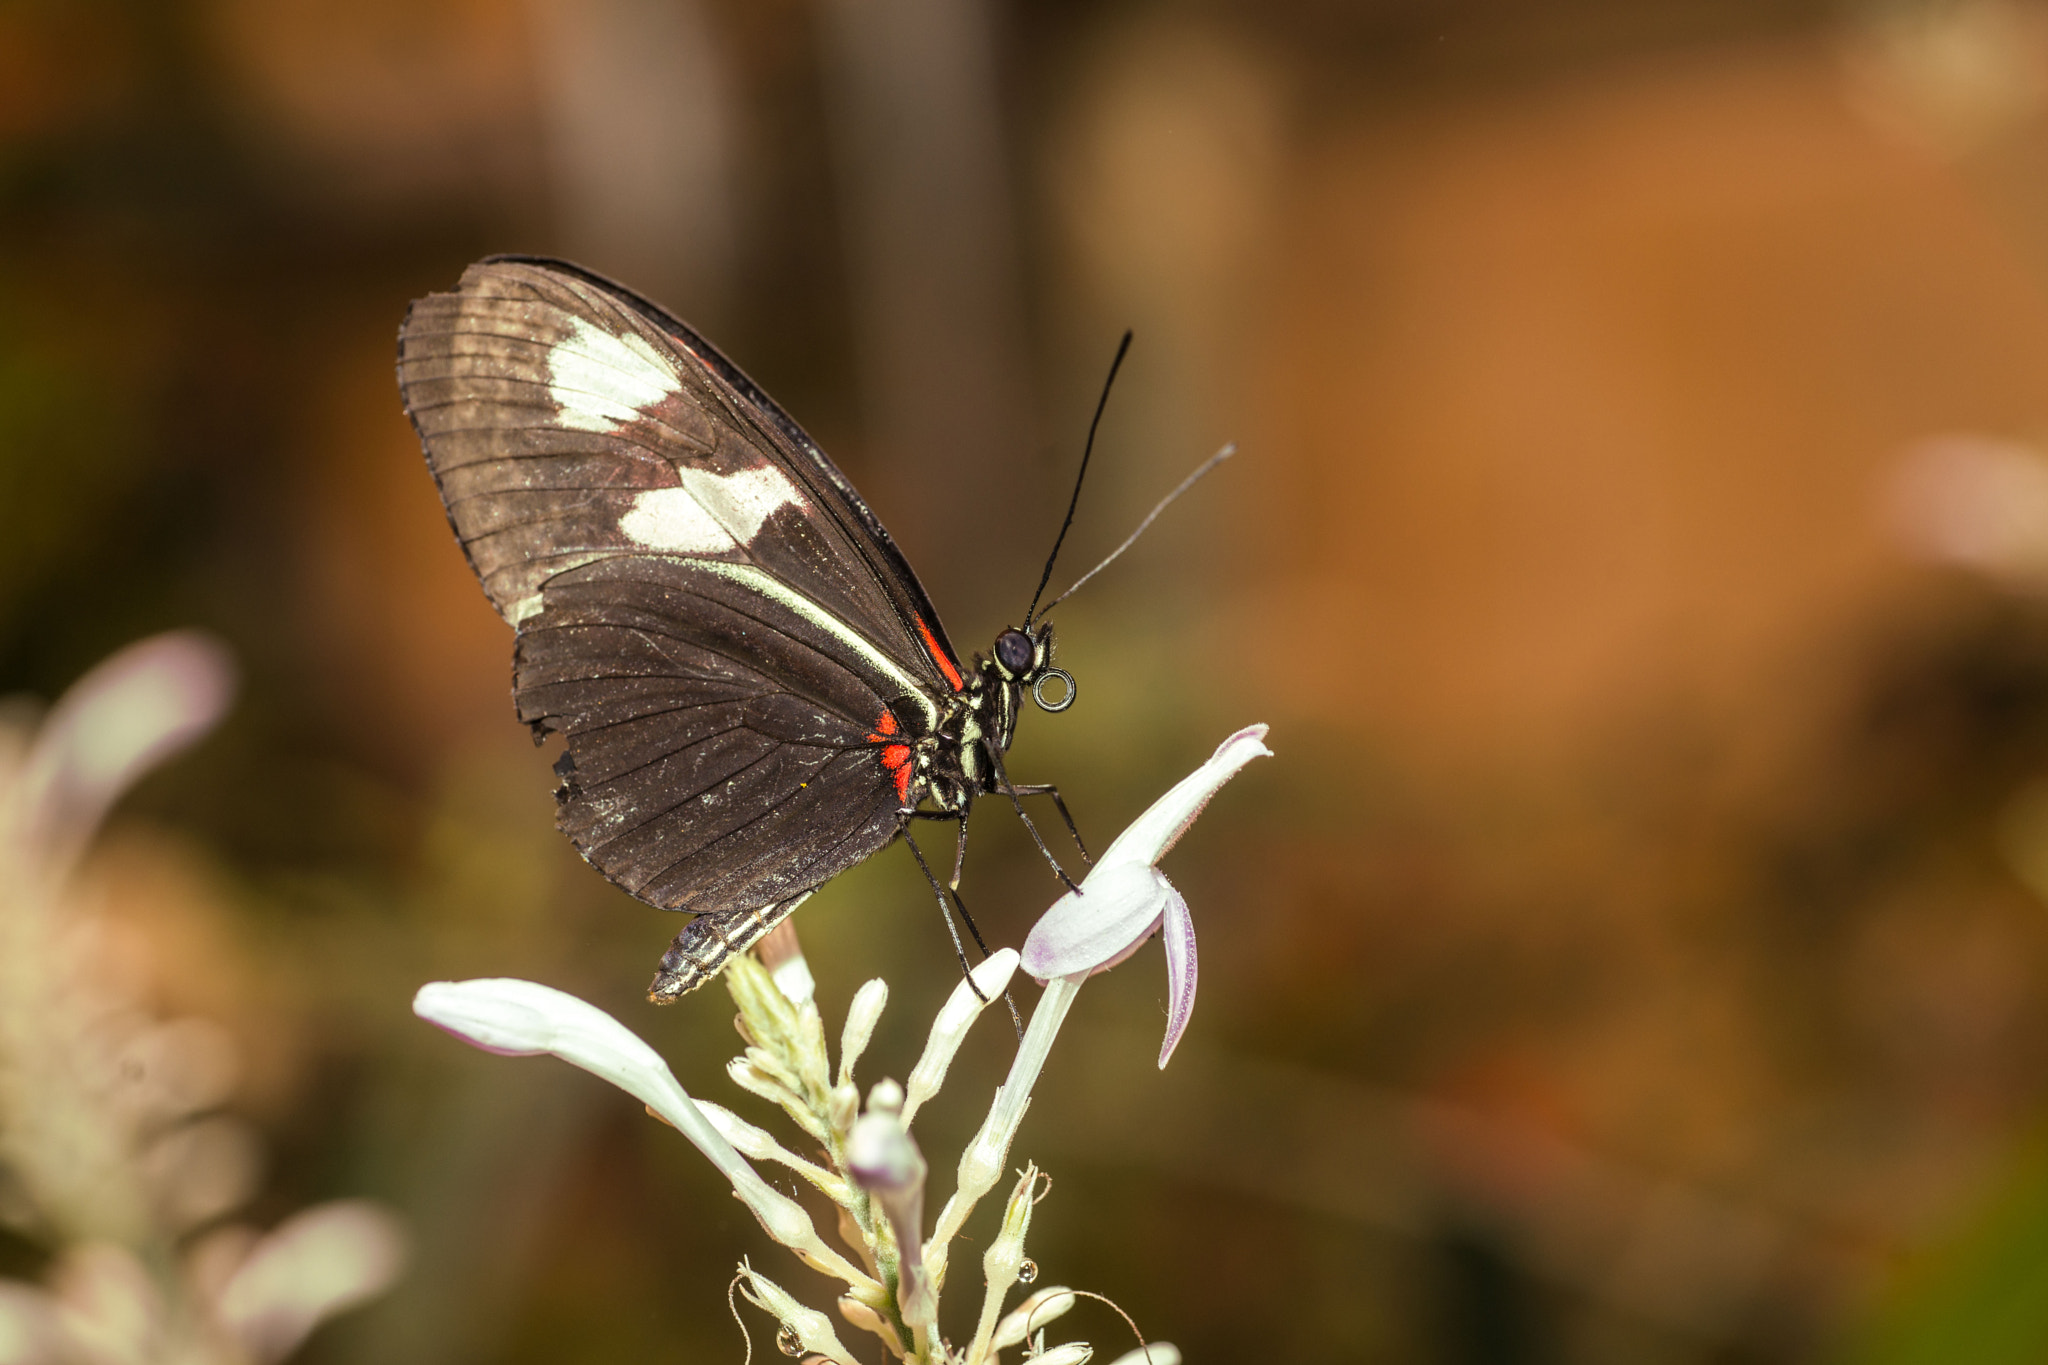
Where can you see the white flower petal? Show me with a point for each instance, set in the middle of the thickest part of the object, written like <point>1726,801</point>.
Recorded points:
<point>1153,833</point>
<point>316,1264</point>
<point>1180,971</point>
<point>524,1018</point>
<point>793,978</point>
<point>1116,909</point>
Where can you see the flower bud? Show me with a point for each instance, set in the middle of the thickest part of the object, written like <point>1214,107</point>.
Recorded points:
<point>861,1017</point>
<point>868,1320</point>
<point>882,1158</point>
<point>1073,1353</point>
<point>1151,1353</point>
<point>949,1029</point>
<point>812,1328</point>
<point>1032,1315</point>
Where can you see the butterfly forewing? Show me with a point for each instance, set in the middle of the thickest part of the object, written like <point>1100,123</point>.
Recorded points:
<point>706,609</point>
<point>831,488</point>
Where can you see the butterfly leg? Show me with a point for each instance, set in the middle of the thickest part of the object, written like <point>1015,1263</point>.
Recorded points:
<point>1048,789</point>
<point>1003,785</point>
<point>959,950</point>
<point>960,856</point>
<point>946,913</point>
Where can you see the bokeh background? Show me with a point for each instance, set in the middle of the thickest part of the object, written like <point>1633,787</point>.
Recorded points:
<point>1636,951</point>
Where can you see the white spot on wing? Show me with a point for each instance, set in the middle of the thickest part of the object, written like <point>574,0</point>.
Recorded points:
<point>672,519</point>
<point>711,512</point>
<point>741,502</point>
<point>601,382</point>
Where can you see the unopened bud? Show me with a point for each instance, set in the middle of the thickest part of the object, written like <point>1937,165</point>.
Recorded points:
<point>1073,1353</point>
<point>1031,1315</point>
<point>868,1320</point>
<point>812,1329</point>
<point>861,1017</point>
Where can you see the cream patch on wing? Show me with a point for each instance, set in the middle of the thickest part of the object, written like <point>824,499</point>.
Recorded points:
<point>602,382</point>
<point>711,513</point>
<point>672,519</point>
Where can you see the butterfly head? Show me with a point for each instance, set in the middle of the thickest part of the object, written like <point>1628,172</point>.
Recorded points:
<point>1023,658</point>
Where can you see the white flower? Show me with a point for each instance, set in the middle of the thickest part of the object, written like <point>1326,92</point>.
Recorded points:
<point>517,1018</point>
<point>1125,899</point>
<point>877,1174</point>
<point>315,1264</point>
<point>526,1019</point>
<point>134,710</point>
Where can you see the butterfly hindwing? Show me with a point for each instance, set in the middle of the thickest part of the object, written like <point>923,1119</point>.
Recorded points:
<point>718,762</point>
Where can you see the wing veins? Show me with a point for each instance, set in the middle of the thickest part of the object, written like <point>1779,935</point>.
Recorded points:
<point>733,833</point>
<point>734,776</point>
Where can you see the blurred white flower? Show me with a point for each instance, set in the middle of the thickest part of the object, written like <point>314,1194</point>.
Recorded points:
<point>29,1330</point>
<point>1976,501</point>
<point>319,1262</point>
<point>136,709</point>
<point>1125,899</point>
<point>108,1122</point>
<point>1949,76</point>
<point>202,1169</point>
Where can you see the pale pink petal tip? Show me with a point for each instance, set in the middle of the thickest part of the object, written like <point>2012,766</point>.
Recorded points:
<point>1251,741</point>
<point>1179,934</point>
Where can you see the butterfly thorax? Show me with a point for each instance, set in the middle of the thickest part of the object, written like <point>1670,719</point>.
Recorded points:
<point>961,757</point>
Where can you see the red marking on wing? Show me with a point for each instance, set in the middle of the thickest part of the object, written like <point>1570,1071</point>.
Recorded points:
<point>945,664</point>
<point>895,756</point>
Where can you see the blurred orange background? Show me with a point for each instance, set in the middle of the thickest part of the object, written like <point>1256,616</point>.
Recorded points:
<point>1636,952</point>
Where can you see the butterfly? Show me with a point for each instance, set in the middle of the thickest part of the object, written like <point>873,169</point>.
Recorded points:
<point>754,690</point>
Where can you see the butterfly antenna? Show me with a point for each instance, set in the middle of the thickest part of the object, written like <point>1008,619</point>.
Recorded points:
<point>1132,539</point>
<point>1122,347</point>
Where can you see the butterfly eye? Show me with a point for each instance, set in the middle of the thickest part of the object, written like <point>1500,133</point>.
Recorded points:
<point>1014,651</point>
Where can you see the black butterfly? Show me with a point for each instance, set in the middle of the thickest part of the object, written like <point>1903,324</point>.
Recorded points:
<point>755,690</point>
